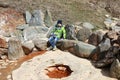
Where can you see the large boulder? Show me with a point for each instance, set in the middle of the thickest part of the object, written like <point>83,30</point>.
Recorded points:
<point>107,58</point>
<point>108,23</point>
<point>84,50</point>
<point>104,45</point>
<point>48,19</point>
<point>28,16</point>
<point>15,50</point>
<point>31,33</point>
<point>95,38</point>
<point>70,32</point>
<point>27,47</point>
<point>40,44</point>
<point>88,25</point>
<point>36,68</point>
<point>37,18</point>
<point>116,28</point>
<point>77,48</point>
<point>9,22</point>
<point>83,34</point>
<point>22,27</point>
<point>51,29</point>
<point>115,69</point>
<point>18,34</point>
<point>112,34</point>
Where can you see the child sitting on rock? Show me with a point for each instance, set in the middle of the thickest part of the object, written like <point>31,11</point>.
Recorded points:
<point>57,33</point>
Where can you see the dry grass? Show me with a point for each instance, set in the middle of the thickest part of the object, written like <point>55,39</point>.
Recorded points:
<point>70,11</point>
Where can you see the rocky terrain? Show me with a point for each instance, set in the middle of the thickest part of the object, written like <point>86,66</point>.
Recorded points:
<point>90,50</point>
<point>35,69</point>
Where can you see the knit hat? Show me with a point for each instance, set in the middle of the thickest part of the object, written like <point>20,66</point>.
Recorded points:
<point>59,22</point>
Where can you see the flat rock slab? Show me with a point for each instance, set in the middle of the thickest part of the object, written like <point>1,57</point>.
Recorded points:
<point>34,69</point>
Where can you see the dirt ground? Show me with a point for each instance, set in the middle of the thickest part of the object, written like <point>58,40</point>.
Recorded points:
<point>9,68</point>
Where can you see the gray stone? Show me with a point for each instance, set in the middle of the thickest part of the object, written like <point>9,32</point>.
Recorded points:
<point>66,44</point>
<point>106,58</point>
<point>18,34</point>
<point>88,25</point>
<point>28,16</point>
<point>115,69</point>
<point>95,38</point>
<point>108,23</point>
<point>15,50</point>
<point>70,32</point>
<point>37,18</point>
<point>84,50</point>
<point>83,34</point>
<point>50,30</point>
<point>28,47</point>
<point>22,27</point>
<point>33,32</point>
<point>78,48</point>
<point>40,44</point>
<point>105,45</point>
<point>48,19</point>
<point>116,28</point>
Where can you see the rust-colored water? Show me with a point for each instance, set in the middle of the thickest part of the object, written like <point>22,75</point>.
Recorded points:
<point>59,71</point>
<point>7,71</point>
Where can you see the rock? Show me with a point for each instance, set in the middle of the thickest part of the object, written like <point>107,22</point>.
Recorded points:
<point>3,51</point>
<point>48,19</point>
<point>118,40</point>
<point>118,23</point>
<point>28,16</point>
<point>108,23</point>
<point>78,48</point>
<point>9,22</point>
<point>27,47</point>
<point>37,18</point>
<point>65,44</point>
<point>3,43</point>
<point>40,44</point>
<point>104,45</point>
<point>50,30</point>
<point>116,28</point>
<point>22,27</point>
<point>4,4</point>
<point>115,69</point>
<point>83,70</point>
<point>70,32</point>
<point>95,38</point>
<point>32,32</point>
<point>83,34</point>
<point>18,34</point>
<point>88,25</point>
<point>107,58</point>
<point>15,50</point>
<point>3,57</point>
<point>112,35</point>
<point>84,50</point>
